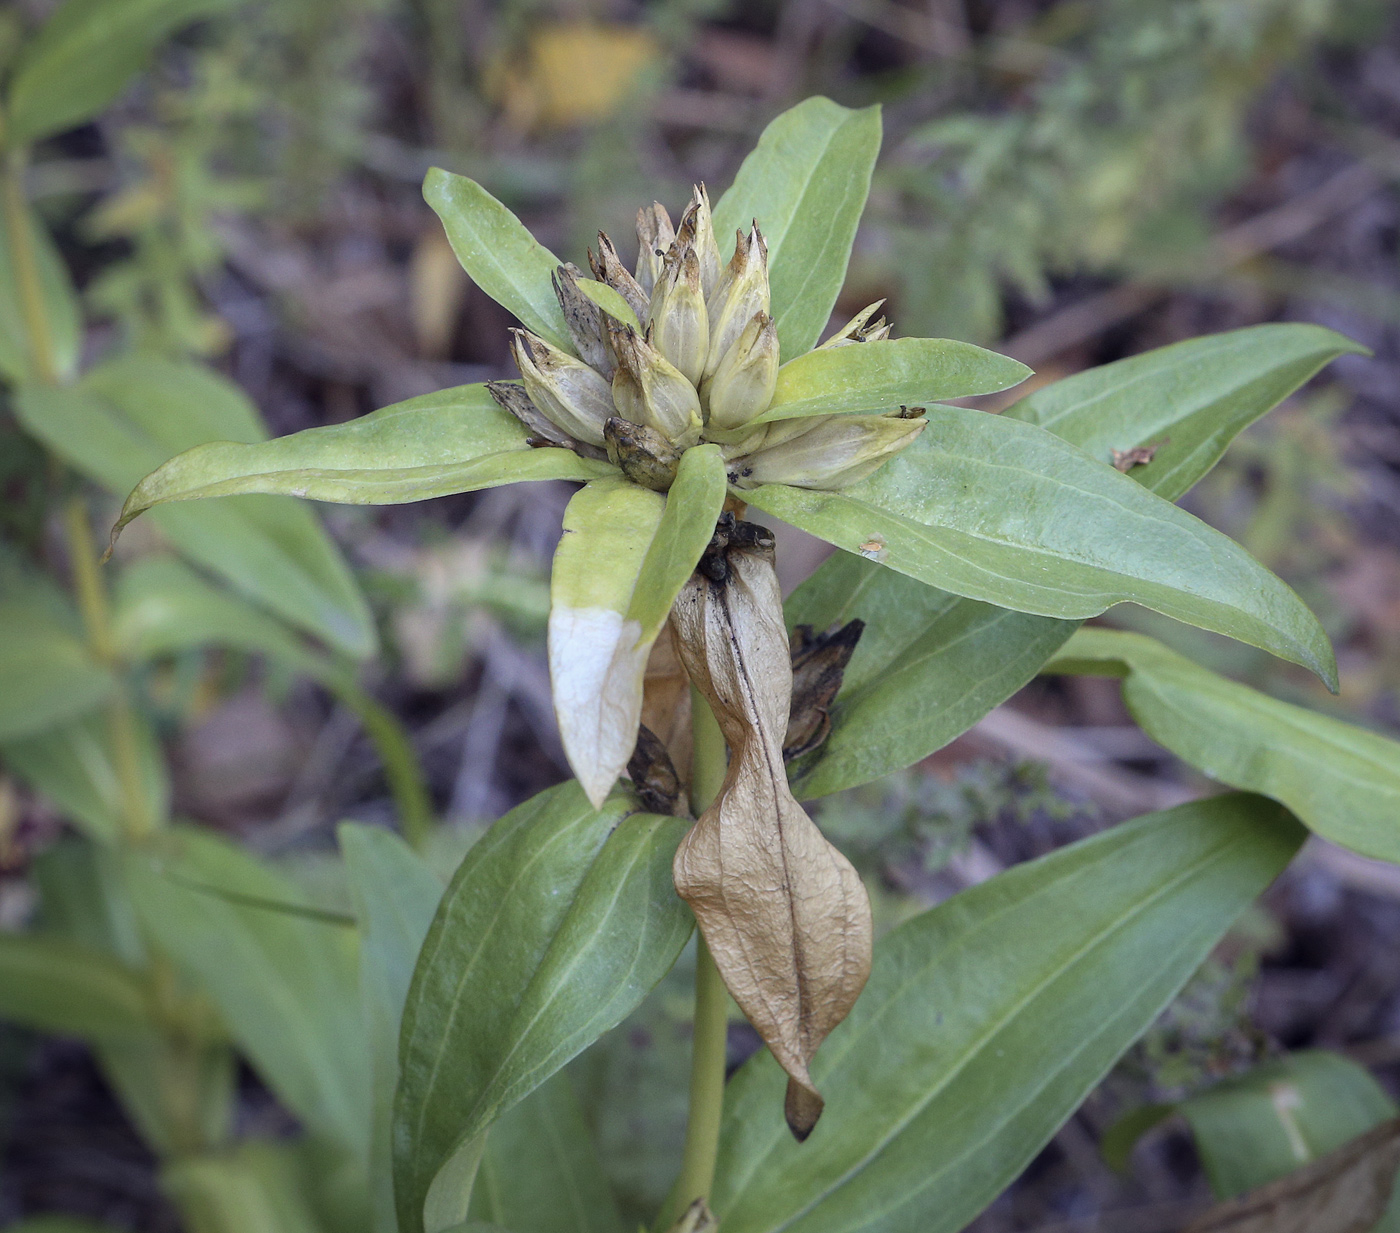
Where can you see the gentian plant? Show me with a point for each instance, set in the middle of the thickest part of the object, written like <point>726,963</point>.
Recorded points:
<point>683,394</point>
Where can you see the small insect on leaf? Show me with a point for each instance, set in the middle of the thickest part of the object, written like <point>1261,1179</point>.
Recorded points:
<point>1138,456</point>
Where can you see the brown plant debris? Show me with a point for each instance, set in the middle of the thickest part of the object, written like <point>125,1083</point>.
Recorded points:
<point>1346,1191</point>
<point>654,775</point>
<point>1138,456</point>
<point>783,912</point>
<point>818,668</point>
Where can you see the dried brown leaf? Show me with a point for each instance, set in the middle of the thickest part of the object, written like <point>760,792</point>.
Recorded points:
<point>818,667</point>
<point>1345,1191</point>
<point>666,702</point>
<point>783,912</point>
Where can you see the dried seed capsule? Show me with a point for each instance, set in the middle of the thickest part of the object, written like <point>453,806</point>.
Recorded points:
<point>567,390</point>
<point>608,268</point>
<point>828,451</point>
<point>742,384</point>
<point>584,319</point>
<point>680,327</point>
<point>741,294</point>
<point>697,231</point>
<point>648,389</point>
<point>654,236</point>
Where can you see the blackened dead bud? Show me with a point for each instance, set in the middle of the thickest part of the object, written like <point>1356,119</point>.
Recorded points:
<point>731,533</point>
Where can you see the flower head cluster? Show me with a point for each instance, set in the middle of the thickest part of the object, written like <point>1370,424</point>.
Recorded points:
<point>684,349</point>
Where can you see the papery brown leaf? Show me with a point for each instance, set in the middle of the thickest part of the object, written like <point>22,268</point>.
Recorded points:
<point>783,912</point>
<point>666,702</point>
<point>653,774</point>
<point>1346,1191</point>
<point>818,667</point>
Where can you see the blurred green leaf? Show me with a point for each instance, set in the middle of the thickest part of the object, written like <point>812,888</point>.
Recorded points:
<point>83,58</point>
<point>256,1187</point>
<point>286,985</point>
<point>73,764</point>
<point>127,417</point>
<point>60,306</point>
<point>1009,514</point>
<point>1342,781</point>
<point>539,1170</point>
<point>806,183</point>
<point>58,986</point>
<point>457,440</point>
<point>47,675</point>
<point>396,896</point>
<point>1190,399</point>
<point>988,1019</point>
<point>554,928</point>
<point>928,666</point>
<point>1282,1115</point>
<point>499,254</point>
<point>59,1224</point>
<point>886,374</point>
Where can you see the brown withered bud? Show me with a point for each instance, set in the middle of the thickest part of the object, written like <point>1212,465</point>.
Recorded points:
<point>513,398</point>
<point>818,668</point>
<point>584,320</point>
<point>784,914</point>
<point>608,268</point>
<point>655,235</point>
<point>653,774</point>
<point>642,454</point>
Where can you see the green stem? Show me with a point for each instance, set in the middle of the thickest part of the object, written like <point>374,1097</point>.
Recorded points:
<point>24,259</point>
<point>401,766</point>
<point>707,1057</point>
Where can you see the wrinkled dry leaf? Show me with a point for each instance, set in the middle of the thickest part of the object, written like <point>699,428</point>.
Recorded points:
<point>783,912</point>
<point>653,774</point>
<point>818,667</point>
<point>1345,1191</point>
<point>666,702</point>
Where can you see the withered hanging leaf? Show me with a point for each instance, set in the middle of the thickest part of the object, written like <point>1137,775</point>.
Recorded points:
<point>653,774</point>
<point>666,702</point>
<point>1345,1191</point>
<point>783,912</point>
<point>818,667</point>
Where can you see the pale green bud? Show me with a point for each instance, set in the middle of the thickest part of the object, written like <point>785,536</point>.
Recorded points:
<point>742,385</point>
<point>648,389</point>
<point>568,391</point>
<point>697,231</point>
<point>827,452</point>
<point>655,235</point>
<point>608,268</point>
<point>680,328</point>
<point>857,331</point>
<point>584,319</point>
<point>741,294</point>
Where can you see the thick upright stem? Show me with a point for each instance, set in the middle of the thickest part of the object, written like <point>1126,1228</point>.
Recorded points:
<point>24,260</point>
<point>711,1001</point>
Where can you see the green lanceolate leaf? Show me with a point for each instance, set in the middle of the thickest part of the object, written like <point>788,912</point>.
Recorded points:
<point>75,766</point>
<point>625,554</point>
<point>1342,781</point>
<point>255,1187</point>
<point>552,931</point>
<point>285,984</point>
<point>127,417</point>
<point>455,440</point>
<point>915,698</point>
<point>53,985</point>
<point>501,256</point>
<point>988,1019</point>
<point>1190,399</point>
<point>1282,1115</point>
<point>1009,514</point>
<point>928,666</point>
<point>59,304</point>
<point>47,675</point>
<point>539,1170</point>
<point>84,57</point>
<point>806,183</point>
<point>884,375</point>
<point>396,896</point>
